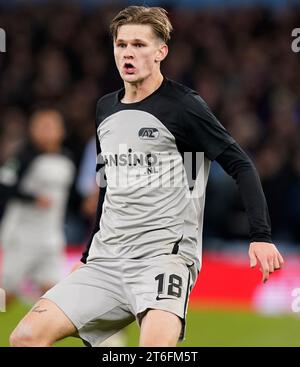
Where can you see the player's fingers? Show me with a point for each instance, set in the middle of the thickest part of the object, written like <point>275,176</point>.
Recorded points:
<point>265,275</point>
<point>276,263</point>
<point>280,258</point>
<point>265,270</point>
<point>253,260</point>
<point>271,265</point>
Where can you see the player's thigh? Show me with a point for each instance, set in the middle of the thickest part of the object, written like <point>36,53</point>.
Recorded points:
<point>160,328</point>
<point>44,324</point>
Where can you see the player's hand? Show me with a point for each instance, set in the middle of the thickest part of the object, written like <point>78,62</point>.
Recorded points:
<point>268,257</point>
<point>43,202</point>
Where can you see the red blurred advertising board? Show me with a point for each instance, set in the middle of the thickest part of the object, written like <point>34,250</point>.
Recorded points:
<point>226,281</point>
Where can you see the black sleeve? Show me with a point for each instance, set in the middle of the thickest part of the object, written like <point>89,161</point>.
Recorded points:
<point>204,133</point>
<point>99,165</point>
<point>238,165</point>
<point>11,174</point>
<point>95,229</point>
<point>96,226</point>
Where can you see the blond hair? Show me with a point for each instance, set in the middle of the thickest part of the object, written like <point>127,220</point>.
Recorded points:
<point>156,17</point>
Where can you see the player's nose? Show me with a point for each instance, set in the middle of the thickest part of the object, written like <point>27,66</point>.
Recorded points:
<point>128,53</point>
<point>128,56</point>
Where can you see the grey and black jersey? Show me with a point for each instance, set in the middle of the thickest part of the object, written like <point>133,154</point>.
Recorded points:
<point>154,158</point>
<point>25,177</point>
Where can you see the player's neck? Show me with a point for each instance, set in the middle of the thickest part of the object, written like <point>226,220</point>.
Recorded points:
<point>136,92</point>
<point>48,149</point>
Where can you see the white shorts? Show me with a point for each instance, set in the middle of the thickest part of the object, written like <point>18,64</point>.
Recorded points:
<point>105,295</point>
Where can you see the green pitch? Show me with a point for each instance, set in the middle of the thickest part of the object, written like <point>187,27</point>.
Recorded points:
<point>204,328</point>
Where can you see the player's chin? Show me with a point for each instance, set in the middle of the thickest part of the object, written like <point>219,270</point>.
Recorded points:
<point>130,78</point>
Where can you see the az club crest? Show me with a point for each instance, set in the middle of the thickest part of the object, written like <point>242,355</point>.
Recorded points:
<point>148,133</point>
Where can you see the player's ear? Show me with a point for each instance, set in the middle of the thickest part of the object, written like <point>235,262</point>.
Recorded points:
<point>162,52</point>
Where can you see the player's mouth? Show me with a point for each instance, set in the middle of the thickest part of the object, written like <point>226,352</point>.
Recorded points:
<point>129,68</point>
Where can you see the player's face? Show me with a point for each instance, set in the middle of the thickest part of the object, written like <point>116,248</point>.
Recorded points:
<point>47,131</point>
<point>137,52</point>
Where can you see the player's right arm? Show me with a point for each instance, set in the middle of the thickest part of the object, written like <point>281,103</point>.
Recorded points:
<point>102,191</point>
<point>95,229</point>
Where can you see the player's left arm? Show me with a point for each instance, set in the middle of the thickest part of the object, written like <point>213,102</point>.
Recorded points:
<point>238,165</point>
<point>203,132</point>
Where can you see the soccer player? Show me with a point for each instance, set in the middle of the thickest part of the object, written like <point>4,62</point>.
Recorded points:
<point>35,185</point>
<point>145,252</point>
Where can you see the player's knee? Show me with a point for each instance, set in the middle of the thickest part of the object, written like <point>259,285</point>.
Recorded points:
<point>17,340</point>
<point>24,336</point>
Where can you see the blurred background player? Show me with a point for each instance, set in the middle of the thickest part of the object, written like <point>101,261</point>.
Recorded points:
<point>34,184</point>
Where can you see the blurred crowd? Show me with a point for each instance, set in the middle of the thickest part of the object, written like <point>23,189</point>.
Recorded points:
<point>239,60</point>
